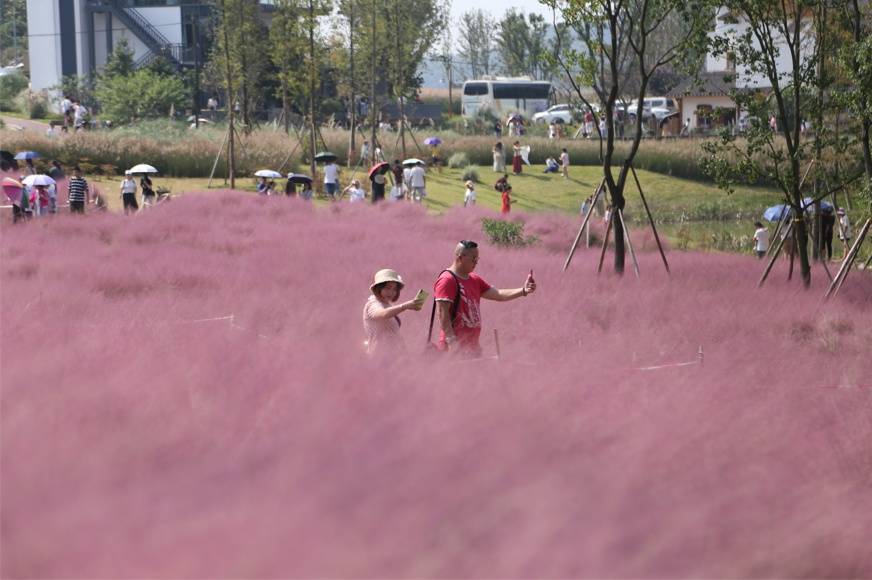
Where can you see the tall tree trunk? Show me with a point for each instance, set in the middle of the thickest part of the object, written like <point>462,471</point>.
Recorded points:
<point>286,107</point>
<point>352,145</point>
<point>618,203</point>
<point>312,121</point>
<point>231,148</point>
<point>399,89</point>
<point>243,65</point>
<point>450,89</point>
<point>373,104</point>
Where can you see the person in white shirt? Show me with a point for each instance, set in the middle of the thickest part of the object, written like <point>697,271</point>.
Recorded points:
<point>128,193</point>
<point>844,228</point>
<point>564,163</point>
<point>761,240</point>
<point>364,153</point>
<point>469,196</point>
<point>407,182</point>
<point>417,183</point>
<point>331,179</point>
<point>354,191</point>
<point>80,113</point>
<point>66,111</point>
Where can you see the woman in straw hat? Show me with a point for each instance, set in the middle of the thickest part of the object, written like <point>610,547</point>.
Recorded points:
<point>381,322</point>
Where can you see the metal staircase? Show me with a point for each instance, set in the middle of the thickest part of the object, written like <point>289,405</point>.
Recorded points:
<point>157,43</point>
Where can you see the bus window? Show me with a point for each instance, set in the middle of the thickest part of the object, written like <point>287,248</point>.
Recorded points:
<point>475,89</point>
<point>522,90</point>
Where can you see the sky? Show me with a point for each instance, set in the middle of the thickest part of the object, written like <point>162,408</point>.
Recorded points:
<point>496,7</point>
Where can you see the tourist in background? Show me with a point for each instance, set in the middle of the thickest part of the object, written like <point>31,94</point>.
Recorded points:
<point>128,193</point>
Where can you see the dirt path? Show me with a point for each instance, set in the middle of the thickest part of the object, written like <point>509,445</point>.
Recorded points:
<point>16,124</point>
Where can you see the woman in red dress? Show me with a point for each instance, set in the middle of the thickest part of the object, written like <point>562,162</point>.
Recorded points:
<point>516,158</point>
<point>507,200</point>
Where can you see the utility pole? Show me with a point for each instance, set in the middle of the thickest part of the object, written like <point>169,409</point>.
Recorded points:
<point>231,147</point>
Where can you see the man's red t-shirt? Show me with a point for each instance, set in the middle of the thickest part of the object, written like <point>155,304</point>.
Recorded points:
<point>467,323</point>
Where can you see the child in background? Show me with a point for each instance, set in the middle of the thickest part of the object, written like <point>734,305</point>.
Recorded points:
<point>564,162</point>
<point>761,240</point>
<point>507,200</point>
<point>551,165</point>
<point>469,196</point>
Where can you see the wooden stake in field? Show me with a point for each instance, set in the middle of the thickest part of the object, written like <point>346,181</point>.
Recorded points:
<point>611,218</point>
<point>650,219</point>
<point>780,244</point>
<point>629,243</point>
<point>836,284</point>
<point>584,222</point>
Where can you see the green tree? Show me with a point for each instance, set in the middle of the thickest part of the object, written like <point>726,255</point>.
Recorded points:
<point>13,31</point>
<point>10,87</point>
<point>287,49</point>
<point>522,43</point>
<point>475,41</point>
<point>414,33</point>
<point>240,52</point>
<point>763,33</point>
<point>855,63</point>
<point>120,61</point>
<point>616,38</point>
<point>140,95</point>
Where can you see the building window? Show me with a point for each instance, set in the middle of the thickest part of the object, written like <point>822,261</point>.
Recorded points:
<point>704,116</point>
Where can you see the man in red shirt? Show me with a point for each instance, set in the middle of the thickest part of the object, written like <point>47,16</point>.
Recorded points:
<point>458,284</point>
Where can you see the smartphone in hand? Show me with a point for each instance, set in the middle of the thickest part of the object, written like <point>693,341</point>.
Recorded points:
<point>421,296</point>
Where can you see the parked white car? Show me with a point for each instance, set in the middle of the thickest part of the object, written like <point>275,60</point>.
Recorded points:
<point>658,107</point>
<point>556,114</point>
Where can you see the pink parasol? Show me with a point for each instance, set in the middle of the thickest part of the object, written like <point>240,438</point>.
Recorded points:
<point>12,189</point>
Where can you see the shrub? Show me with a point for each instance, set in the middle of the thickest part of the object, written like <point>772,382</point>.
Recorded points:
<point>470,173</point>
<point>10,87</point>
<point>459,159</point>
<point>141,95</point>
<point>37,105</point>
<point>503,233</point>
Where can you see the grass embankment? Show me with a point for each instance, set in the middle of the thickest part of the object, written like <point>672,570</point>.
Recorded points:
<point>182,152</point>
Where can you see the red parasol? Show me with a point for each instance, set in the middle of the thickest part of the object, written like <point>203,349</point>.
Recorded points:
<point>379,168</point>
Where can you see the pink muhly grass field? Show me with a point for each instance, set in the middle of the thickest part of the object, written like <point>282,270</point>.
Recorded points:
<point>144,434</point>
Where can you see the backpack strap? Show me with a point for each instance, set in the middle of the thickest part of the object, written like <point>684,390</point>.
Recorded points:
<point>454,306</point>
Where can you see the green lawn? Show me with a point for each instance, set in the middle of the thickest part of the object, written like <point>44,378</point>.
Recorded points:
<point>670,198</point>
<point>690,214</point>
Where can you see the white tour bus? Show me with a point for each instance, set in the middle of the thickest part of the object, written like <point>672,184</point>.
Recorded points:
<point>504,96</point>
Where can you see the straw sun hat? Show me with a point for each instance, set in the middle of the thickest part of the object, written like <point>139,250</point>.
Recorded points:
<point>386,275</point>
<point>470,184</point>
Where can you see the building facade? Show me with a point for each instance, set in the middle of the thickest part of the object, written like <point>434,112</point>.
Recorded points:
<point>706,103</point>
<point>75,37</point>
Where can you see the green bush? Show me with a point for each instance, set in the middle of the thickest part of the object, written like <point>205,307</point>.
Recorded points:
<point>503,233</point>
<point>470,173</point>
<point>10,87</point>
<point>458,160</point>
<point>37,106</point>
<point>141,95</point>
